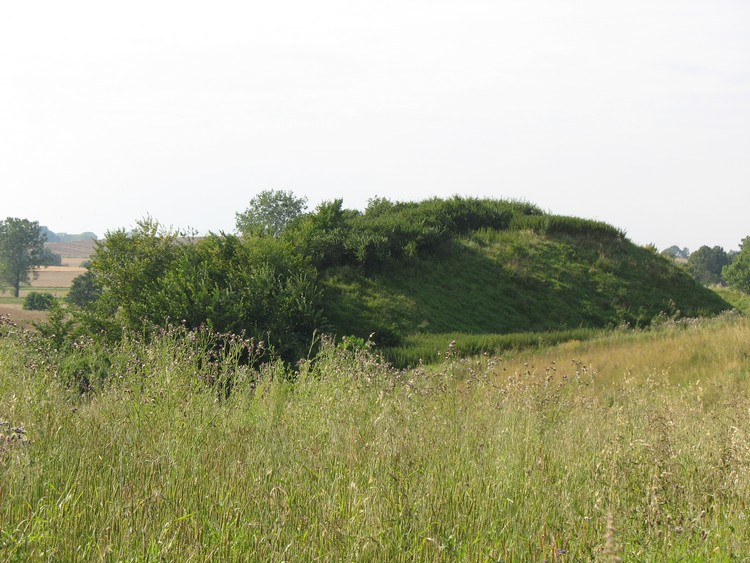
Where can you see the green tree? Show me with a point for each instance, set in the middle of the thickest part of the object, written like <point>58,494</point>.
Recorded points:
<point>269,212</point>
<point>21,252</point>
<point>676,252</point>
<point>259,287</point>
<point>84,290</point>
<point>706,264</point>
<point>737,274</point>
<point>128,267</point>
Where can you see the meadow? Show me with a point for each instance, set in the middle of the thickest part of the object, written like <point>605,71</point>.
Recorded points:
<point>632,445</point>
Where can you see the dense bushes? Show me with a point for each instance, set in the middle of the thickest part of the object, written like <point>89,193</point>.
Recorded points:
<point>387,231</point>
<point>149,278</point>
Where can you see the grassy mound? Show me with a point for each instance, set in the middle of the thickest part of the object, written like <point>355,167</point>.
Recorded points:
<point>541,274</point>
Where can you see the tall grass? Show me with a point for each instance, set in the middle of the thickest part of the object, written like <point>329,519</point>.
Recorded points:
<point>430,348</point>
<point>632,447</point>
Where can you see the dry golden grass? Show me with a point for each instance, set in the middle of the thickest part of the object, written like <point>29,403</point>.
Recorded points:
<point>55,279</point>
<point>673,354</point>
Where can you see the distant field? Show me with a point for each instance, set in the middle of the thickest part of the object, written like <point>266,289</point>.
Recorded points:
<point>24,318</point>
<point>54,279</point>
<point>57,279</point>
<point>72,253</point>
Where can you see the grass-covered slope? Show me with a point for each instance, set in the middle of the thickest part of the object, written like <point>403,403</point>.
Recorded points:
<point>543,273</point>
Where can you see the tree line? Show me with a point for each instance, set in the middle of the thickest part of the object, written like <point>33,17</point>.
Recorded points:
<point>715,266</point>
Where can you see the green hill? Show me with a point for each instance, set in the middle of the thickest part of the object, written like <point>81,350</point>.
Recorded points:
<point>537,272</point>
<point>503,272</point>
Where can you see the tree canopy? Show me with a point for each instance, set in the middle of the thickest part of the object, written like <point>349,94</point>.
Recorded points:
<point>706,264</point>
<point>675,251</point>
<point>737,274</point>
<point>21,252</point>
<point>269,212</point>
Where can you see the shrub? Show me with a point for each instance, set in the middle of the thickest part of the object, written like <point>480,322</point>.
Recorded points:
<point>36,301</point>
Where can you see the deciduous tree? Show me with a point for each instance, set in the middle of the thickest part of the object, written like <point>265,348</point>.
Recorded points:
<point>270,212</point>
<point>21,252</point>
<point>737,274</point>
<point>706,264</point>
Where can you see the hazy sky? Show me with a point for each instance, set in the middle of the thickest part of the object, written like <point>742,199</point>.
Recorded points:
<point>633,112</point>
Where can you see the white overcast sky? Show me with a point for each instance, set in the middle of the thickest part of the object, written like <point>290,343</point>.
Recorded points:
<point>632,112</point>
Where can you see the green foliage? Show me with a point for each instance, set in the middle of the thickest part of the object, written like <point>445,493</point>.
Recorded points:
<point>51,258</point>
<point>129,268</point>
<point>36,301</point>
<point>85,290</point>
<point>561,225</point>
<point>737,274</point>
<point>321,236</point>
<point>706,264</point>
<point>438,266</point>
<point>258,286</point>
<point>21,252</point>
<point>269,212</point>
<point>65,237</point>
<point>498,282</point>
<point>388,232</point>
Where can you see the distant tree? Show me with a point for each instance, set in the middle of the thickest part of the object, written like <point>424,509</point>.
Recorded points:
<point>65,237</point>
<point>36,301</point>
<point>737,274</point>
<point>269,212</point>
<point>676,252</point>
<point>52,258</point>
<point>21,252</point>
<point>84,290</point>
<point>706,264</point>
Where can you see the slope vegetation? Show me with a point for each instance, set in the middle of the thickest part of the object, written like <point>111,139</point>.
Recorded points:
<point>538,273</point>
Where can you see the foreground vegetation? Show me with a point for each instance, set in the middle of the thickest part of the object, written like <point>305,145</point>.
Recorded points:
<point>633,444</point>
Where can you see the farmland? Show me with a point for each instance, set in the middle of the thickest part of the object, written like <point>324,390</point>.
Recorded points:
<point>52,279</point>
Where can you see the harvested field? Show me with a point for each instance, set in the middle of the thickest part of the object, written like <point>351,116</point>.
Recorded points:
<point>72,253</point>
<point>19,315</point>
<point>55,279</point>
<point>52,279</point>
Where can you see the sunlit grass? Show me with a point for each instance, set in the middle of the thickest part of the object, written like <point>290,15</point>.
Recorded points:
<point>519,458</point>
